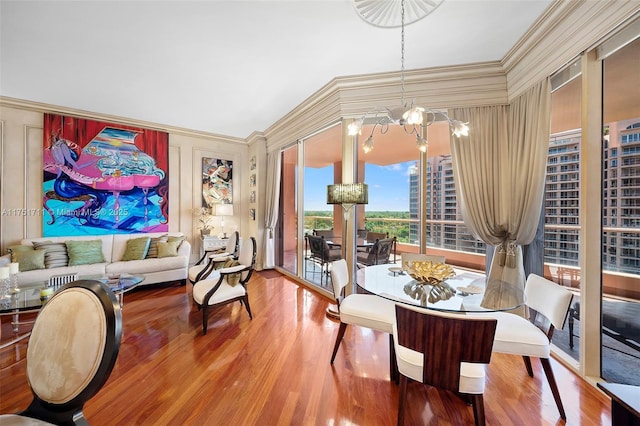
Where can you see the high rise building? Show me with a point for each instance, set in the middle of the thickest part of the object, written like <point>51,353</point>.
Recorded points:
<point>621,197</point>
<point>445,227</point>
<point>620,209</point>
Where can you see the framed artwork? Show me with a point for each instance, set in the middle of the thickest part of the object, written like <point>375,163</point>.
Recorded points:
<point>252,163</point>
<point>252,180</point>
<point>252,197</point>
<point>217,181</point>
<point>103,178</point>
<point>252,213</point>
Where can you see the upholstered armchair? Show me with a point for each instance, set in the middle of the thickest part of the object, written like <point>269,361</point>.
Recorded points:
<point>227,285</point>
<point>232,250</point>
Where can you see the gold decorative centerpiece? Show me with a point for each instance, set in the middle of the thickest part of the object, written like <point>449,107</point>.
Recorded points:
<point>432,274</point>
<point>428,272</point>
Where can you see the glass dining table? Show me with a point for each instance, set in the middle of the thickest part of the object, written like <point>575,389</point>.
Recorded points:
<point>467,291</point>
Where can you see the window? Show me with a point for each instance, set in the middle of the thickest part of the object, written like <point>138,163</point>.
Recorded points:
<point>621,265</point>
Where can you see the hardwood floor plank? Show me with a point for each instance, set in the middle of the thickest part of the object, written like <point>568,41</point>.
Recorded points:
<point>275,370</point>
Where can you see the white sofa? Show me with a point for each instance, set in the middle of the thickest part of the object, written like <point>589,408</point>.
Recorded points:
<point>155,270</point>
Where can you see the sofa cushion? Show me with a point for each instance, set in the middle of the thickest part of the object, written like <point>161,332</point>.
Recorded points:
<point>29,260</point>
<point>84,252</point>
<point>55,253</point>
<point>136,248</point>
<point>168,249</point>
<point>153,246</point>
<point>147,266</point>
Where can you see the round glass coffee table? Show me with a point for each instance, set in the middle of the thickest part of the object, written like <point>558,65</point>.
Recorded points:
<point>29,298</point>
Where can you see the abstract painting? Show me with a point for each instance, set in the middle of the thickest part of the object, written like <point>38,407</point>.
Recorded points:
<point>103,178</point>
<point>217,181</point>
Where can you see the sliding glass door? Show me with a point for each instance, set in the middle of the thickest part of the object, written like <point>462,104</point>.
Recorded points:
<point>287,242</point>
<point>322,166</point>
<point>621,216</point>
<point>562,198</point>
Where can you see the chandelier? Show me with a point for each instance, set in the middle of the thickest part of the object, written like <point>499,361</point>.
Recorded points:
<point>413,118</point>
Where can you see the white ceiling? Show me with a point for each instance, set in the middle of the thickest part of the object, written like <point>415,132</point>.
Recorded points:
<point>227,67</point>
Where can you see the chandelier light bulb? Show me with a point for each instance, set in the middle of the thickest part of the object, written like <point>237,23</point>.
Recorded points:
<point>367,146</point>
<point>459,128</point>
<point>421,143</point>
<point>413,116</point>
<point>355,128</point>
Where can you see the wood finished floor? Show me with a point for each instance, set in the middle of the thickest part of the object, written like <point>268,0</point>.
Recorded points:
<point>274,370</point>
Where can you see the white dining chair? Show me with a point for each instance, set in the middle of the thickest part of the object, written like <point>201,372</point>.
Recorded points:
<point>365,310</point>
<point>444,350</point>
<point>548,306</point>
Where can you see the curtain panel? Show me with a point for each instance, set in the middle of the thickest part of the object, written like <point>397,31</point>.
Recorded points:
<point>271,209</point>
<point>499,174</point>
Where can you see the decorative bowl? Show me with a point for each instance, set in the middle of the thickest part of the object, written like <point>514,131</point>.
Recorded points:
<point>428,272</point>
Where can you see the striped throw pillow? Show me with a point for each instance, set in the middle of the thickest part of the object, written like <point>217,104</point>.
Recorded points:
<point>153,246</point>
<point>55,255</point>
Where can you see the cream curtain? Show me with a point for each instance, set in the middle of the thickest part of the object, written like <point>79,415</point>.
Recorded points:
<point>499,173</point>
<point>272,202</point>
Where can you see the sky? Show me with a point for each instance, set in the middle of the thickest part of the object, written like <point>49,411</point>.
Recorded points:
<point>388,187</point>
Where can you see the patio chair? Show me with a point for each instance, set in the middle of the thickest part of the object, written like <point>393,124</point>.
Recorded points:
<point>370,237</point>
<point>326,233</point>
<point>321,253</point>
<point>379,253</point>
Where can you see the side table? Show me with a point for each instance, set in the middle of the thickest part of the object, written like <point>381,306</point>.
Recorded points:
<point>625,403</point>
<point>210,244</point>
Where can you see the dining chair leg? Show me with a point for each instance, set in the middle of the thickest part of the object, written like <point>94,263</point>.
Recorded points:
<point>527,364</point>
<point>393,364</point>
<point>404,381</point>
<point>477,401</point>
<point>341,330</point>
<point>546,365</point>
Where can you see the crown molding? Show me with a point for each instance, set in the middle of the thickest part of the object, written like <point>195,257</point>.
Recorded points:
<point>564,31</point>
<point>352,96</point>
<point>43,107</point>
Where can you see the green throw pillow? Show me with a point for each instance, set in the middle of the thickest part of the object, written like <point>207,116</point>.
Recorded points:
<point>168,249</point>
<point>232,279</point>
<point>179,240</point>
<point>84,252</point>
<point>153,246</point>
<point>55,253</point>
<point>29,259</point>
<point>17,248</point>
<point>136,248</point>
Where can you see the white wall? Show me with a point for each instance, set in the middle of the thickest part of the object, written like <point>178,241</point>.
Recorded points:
<point>21,147</point>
